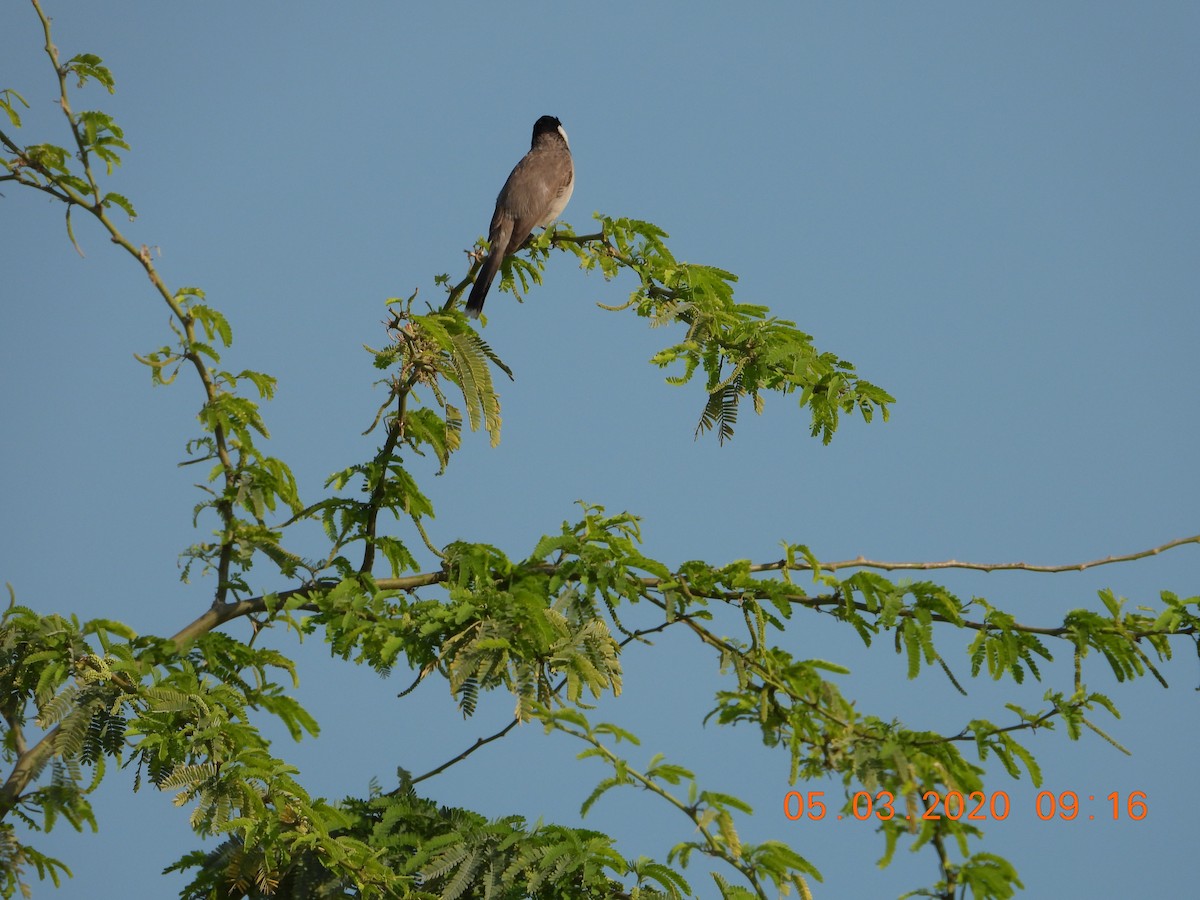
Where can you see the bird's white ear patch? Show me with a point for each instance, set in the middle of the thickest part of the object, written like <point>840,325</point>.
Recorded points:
<point>563,132</point>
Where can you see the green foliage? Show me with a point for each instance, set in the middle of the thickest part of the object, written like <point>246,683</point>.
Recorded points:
<point>712,812</point>
<point>7,96</point>
<point>444,853</point>
<point>89,67</point>
<point>186,713</point>
<point>102,137</point>
<point>17,857</point>
<point>462,359</point>
<point>742,349</point>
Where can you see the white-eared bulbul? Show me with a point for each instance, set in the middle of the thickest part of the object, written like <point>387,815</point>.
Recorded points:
<point>535,194</point>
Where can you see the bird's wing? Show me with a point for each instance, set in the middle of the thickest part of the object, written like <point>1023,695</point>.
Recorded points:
<point>533,194</point>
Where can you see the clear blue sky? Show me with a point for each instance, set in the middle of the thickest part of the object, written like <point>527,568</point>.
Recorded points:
<point>993,210</point>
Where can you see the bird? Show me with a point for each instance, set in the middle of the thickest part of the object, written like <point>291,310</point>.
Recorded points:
<point>536,193</point>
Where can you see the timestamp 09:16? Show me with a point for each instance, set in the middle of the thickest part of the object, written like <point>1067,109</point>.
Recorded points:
<point>972,807</point>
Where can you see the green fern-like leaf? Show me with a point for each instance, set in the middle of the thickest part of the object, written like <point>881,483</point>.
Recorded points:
<point>59,707</point>
<point>721,409</point>
<point>464,876</point>
<point>73,733</point>
<point>188,776</point>
<point>469,358</point>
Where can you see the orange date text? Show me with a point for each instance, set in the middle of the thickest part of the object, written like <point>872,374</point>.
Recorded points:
<point>973,806</point>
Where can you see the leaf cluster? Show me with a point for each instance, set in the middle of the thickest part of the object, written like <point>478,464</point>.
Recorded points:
<point>447,853</point>
<point>742,350</point>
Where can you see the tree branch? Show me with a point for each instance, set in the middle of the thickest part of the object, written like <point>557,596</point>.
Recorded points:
<point>382,459</point>
<point>94,205</point>
<point>480,742</point>
<point>216,617</point>
<point>864,563</point>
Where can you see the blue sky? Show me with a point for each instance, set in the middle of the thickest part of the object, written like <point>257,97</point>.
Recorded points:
<point>992,210</point>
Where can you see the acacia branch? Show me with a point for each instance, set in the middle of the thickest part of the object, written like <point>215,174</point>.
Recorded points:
<point>477,256</point>
<point>725,646</point>
<point>95,206</point>
<point>480,742</point>
<point>949,875</point>
<point>382,459</point>
<point>864,563</point>
<point>64,102</point>
<point>627,774</point>
<point>31,762</point>
<point>46,188</point>
<point>219,615</point>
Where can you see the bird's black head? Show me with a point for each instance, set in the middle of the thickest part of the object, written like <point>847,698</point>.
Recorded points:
<point>547,125</point>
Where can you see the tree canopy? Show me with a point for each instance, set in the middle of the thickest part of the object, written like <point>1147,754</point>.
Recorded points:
<point>548,625</point>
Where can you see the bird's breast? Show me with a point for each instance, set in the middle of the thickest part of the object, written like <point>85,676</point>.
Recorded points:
<point>559,202</point>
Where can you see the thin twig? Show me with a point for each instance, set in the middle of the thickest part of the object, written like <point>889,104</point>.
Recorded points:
<point>634,636</point>
<point>863,563</point>
<point>94,205</point>
<point>481,742</point>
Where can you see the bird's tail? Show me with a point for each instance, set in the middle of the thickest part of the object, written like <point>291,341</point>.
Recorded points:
<point>487,275</point>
